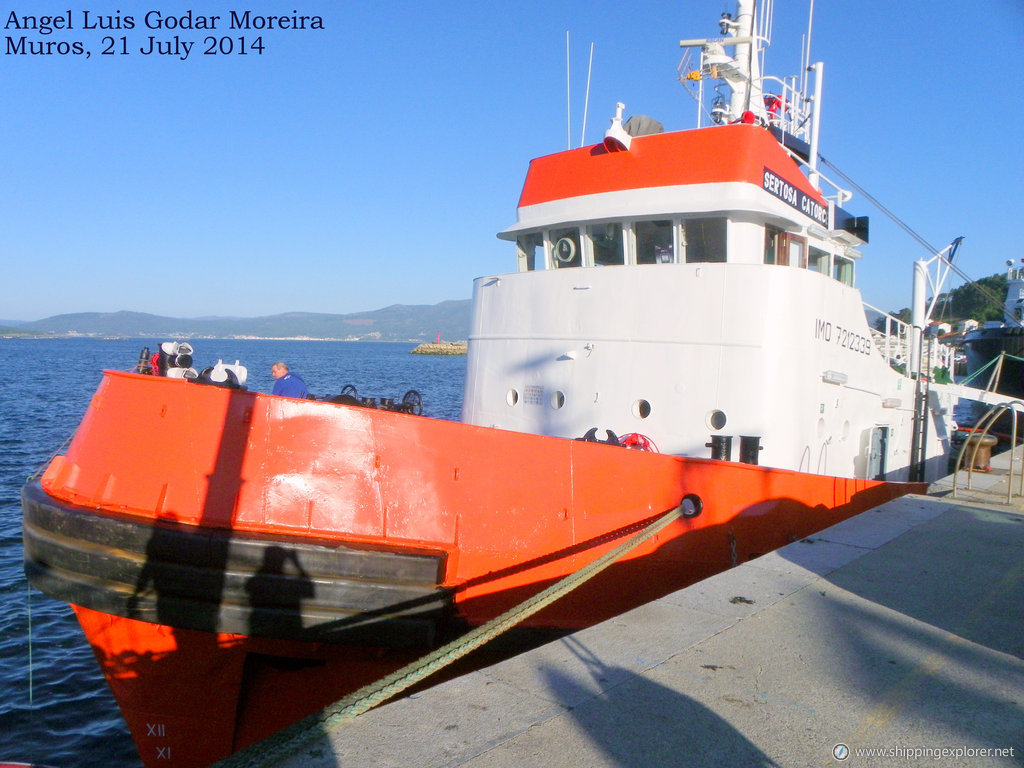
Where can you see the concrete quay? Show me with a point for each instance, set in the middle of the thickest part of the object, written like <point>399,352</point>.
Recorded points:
<point>899,631</point>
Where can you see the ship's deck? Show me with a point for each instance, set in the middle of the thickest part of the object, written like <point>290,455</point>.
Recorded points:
<point>897,630</point>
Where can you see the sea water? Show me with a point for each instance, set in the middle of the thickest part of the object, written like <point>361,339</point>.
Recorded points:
<point>56,708</point>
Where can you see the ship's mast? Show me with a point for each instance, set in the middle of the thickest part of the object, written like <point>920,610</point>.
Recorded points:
<point>747,61</point>
<point>740,71</point>
<point>784,105</point>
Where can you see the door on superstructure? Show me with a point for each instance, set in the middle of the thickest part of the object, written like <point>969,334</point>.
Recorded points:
<point>877,452</point>
<point>791,250</point>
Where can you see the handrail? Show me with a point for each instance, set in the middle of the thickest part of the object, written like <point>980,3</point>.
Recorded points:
<point>981,430</point>
<point>894,329</point>
<point>894,340</point>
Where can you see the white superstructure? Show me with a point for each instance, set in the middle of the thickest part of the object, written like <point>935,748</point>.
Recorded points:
<point>699,284</point>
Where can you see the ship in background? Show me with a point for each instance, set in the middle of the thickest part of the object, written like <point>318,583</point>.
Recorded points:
<point>995,350</point>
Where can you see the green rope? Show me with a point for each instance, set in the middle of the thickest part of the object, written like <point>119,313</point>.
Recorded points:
<point>986,366</point>
<point>291,739</point>
<point>47,461</point>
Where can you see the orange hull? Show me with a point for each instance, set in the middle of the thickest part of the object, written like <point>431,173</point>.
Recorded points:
<point>354,521</point>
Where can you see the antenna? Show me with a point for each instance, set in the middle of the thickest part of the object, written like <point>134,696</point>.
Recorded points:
<point>807,50</point>
<point>766,21</point>
<point>810,26</point>
<point>803,64</point>
<point>586,100</point>
<point>568,107</point>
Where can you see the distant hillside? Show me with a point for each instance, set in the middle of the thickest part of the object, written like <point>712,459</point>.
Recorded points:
<point>980,300</point>
<point>395,323</point>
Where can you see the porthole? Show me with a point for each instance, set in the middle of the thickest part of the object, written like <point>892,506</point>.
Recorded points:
<point>641,409</point>
<point>512,397</point>
<point>557,400</point>
<point>717,420</point>
<point>820,429</point>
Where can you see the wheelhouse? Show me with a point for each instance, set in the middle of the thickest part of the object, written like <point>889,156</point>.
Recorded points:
<point>595,208</point>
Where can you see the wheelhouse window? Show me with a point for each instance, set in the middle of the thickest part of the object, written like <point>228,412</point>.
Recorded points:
<point>704,239</point>
<point>818,260</point>
<point>606,240</point>
<point>842,270</point>
<point>565,248</point>
<point>654,242</point>
<point>530,248</point>
<point>771,245</point>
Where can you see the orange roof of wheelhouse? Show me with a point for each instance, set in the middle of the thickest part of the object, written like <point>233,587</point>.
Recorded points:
<point>702,156</point>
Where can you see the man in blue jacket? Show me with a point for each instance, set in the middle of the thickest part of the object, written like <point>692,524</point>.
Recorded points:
<point>287,384</point>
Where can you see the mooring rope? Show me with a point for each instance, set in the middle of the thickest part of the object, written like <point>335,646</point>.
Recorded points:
<point>46,462</point>
<point>968,379</point>
<point>291,739</point>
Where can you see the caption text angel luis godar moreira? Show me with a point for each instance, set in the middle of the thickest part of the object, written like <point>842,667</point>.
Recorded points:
<point>81,33</point>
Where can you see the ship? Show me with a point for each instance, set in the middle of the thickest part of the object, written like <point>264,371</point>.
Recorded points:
<point>681,332</point>
<point>995,351</point>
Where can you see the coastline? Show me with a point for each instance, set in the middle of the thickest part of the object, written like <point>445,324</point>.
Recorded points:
<point>144,337</point>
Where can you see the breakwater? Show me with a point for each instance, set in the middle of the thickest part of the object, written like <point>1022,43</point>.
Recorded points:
<point>441,348</point>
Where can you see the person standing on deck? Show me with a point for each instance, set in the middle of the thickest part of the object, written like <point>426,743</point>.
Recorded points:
<point>287,384</point>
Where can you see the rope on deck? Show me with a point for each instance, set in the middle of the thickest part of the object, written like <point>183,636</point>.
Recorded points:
<point>291,739</point>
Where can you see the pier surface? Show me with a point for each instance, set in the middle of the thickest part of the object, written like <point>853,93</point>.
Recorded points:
<point>899,631</point>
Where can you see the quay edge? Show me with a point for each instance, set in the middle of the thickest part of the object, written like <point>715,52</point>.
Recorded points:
<point>897,630</point>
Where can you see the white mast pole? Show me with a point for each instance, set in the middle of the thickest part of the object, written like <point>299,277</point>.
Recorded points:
<point>807,50</point>
<point>918,315</point>
<point>586,100</point>
<point>812,161</point>
<point>568,103</point>
<point>738,103</point>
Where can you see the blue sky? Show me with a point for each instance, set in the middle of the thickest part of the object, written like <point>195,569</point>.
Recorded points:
<point>373,162</point>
